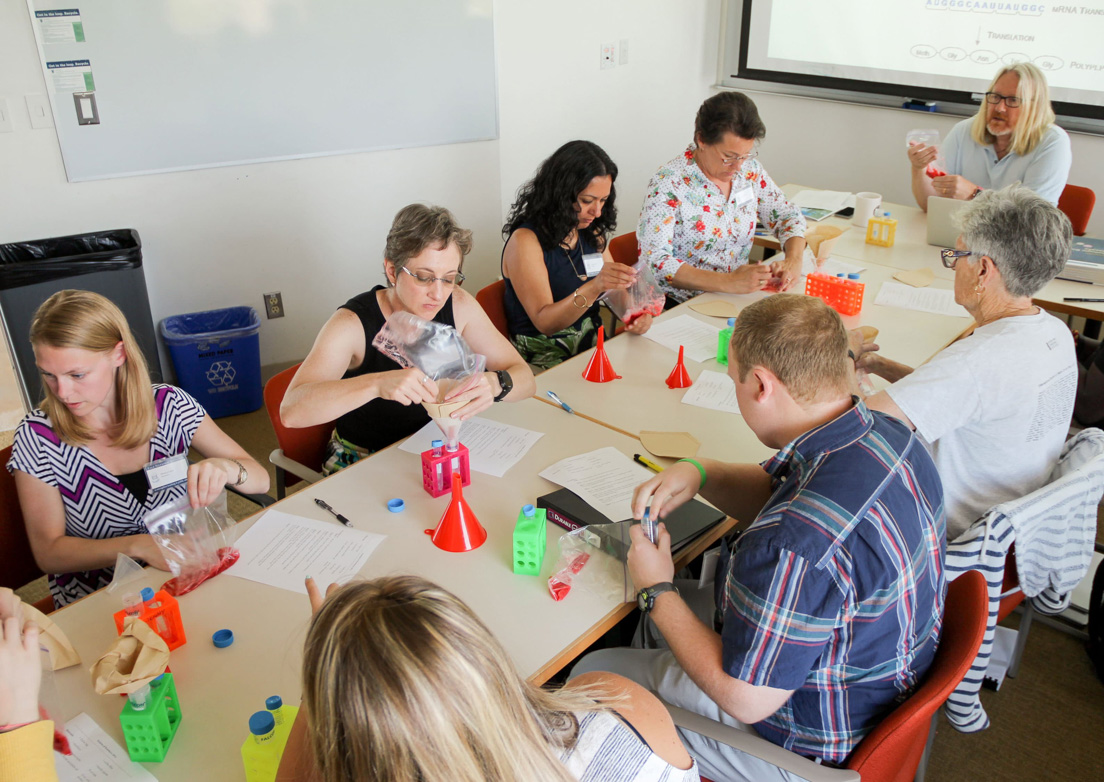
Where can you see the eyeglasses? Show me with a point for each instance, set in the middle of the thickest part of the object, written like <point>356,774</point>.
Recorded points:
<point>1011,101</point>
<point>425,280</point>
<point>728,161</point>
<point>950,257</point>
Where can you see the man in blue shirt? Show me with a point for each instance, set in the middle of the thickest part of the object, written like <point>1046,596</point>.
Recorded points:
<point>832,601</point>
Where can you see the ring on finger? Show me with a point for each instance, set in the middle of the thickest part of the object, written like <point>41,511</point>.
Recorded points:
<point>425,378</point>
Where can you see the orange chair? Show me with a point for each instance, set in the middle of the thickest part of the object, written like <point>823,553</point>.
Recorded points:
<point>302,451</point>
<point>898,746</point>
<point>1077,202</point>
<point>490,299</point>
<point>17,563</point>
<point>623,249</point>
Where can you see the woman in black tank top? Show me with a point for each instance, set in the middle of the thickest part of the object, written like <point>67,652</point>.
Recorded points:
<point>372,400</point>
<point>555,263</point>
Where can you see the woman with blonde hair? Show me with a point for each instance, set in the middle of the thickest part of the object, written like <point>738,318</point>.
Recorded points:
<point>80,461</point>
<point>403,682</point>
<point>1011,139</point>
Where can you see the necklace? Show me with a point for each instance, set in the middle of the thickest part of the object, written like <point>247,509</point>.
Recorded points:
<point>567,251</point>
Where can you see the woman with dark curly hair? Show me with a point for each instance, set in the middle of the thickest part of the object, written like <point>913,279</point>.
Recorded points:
<point>556,262</point>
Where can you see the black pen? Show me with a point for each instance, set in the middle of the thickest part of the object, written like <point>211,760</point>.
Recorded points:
<point>325,506</point>
<point>1095,301</point>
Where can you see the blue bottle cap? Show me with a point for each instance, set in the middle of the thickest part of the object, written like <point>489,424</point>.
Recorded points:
<point>396,505</point>
<point>886,214</point>
<point>262,723</point>
<point>528,511</point>
<point>853,276</point>
<point>731,322</point>
<point>222,638</point>
<point>147,594</point>
<point>273,702</point>
<point>157,681</point>
<point>437,443</point>
<point>841,275</point>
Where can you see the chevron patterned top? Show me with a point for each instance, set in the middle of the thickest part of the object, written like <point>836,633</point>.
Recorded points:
<point>97,504</point>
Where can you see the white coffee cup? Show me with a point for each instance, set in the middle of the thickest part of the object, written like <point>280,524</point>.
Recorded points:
<point>865,204</point>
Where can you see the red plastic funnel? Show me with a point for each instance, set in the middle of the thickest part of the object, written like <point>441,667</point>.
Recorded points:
<point>599,370</point>
<point>679,377</point>
<point>458,529</point>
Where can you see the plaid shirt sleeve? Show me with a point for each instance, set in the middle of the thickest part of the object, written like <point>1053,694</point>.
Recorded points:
<point>779,613</point>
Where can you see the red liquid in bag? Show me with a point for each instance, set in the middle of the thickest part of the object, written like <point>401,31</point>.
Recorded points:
<point>933,172</point>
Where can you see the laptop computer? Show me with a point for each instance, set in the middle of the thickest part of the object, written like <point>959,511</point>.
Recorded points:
<point>942,229</point>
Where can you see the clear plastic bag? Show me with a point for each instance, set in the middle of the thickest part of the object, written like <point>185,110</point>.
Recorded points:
<point>930,138</point>
<point>643,297</point>
<point>434,348</point>
<point>197,543</point>
<point>594,558</point>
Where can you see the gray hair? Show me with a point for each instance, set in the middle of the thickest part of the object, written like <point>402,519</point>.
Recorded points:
<point>1027,237</point>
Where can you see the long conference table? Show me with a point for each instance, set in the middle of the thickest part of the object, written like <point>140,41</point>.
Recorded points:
<point>220,688</point>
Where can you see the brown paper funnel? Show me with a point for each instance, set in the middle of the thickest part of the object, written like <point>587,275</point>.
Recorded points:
<point>822,238</point>
<point>134,659</point>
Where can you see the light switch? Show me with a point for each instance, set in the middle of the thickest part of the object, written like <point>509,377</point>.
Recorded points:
<point>5,117</point>
<point>38,106</point>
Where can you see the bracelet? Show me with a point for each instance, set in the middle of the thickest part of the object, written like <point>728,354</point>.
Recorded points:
<point>578,295</point>
<point>701,469</point>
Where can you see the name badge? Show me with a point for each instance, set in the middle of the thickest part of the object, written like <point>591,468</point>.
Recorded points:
<point>170,471</point>
<point>592,262</point>
<point>745,196</point>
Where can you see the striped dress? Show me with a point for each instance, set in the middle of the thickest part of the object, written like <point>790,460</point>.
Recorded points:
<point>97,504</point>
<point>608,750</point>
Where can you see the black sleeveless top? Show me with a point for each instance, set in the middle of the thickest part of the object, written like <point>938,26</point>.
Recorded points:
<point>380,422</point>
<point>563,279</point>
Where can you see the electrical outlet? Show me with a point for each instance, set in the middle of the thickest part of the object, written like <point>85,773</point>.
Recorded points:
<point>274,305</point>
<point>609,56</point>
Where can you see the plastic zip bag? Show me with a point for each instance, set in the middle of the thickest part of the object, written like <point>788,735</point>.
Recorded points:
<point>434,348</point>
<point>930,138</point>
<point>643,297</point>
<point>196,543</point>
<point>595,559</point>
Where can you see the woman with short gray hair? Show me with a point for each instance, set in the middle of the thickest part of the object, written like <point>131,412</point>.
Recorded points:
<point>995,407</point>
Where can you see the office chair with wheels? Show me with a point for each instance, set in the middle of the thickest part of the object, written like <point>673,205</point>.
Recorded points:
<point>896,750</point>
<point>1077,202</point>
<point>17,563</point>
<point>490,299</point>
<point>302,451</point>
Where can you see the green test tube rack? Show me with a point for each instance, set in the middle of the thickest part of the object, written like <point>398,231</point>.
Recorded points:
<point>151,730</point>
<point>529,540</point>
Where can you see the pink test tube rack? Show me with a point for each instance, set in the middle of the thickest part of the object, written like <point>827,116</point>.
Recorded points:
<point>437,469</point>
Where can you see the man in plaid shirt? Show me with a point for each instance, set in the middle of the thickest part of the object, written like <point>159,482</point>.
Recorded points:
<point>831,602</point>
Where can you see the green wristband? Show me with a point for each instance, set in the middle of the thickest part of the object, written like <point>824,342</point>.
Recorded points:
<point>701,469</point>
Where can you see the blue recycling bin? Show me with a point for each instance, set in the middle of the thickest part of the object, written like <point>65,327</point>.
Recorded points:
<point>217,357</point>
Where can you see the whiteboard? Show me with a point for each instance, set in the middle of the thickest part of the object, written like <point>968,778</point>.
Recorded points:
<point>183,84</point>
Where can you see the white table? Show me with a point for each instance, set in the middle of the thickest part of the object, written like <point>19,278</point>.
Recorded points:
<point>220,688</point>
<point>641,401</point>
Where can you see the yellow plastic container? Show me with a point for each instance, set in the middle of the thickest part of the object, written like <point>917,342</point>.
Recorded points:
<point>881,230</point>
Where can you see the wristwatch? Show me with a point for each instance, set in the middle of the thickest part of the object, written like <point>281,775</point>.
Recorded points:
<point>506,382</point>
<point>243,474</point>
<point>646,597</point>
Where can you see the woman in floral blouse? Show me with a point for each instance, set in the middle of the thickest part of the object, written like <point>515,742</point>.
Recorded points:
<point>556,261</point>
<point>699,217</point>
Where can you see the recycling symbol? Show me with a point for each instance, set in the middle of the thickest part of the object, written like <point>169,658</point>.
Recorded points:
<point>221,373</point>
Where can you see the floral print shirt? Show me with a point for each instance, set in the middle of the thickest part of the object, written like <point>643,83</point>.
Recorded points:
<point>685,219</point>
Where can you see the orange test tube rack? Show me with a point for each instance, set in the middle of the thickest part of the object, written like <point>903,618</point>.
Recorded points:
<point>844,296</point>
<point>162,614</point>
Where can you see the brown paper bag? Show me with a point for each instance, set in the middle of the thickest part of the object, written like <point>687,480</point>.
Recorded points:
<point>136,658</point>
<point>822,238</point>
<point>50,637</point>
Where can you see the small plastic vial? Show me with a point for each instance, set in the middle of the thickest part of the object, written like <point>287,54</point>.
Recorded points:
<point>132,603</point>
<point>437,446</point>
<point>139,698</point>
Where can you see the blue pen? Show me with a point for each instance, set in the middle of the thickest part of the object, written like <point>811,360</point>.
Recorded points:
<point>559,401</point>
<point>649,524</point>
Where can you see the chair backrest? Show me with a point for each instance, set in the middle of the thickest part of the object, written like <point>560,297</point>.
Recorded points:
<point>307,445</point>
<point>490,299</point>
<point>623,249</point>
<point>892,751</point>
<point>17,564</point>
<point>1077,202</point>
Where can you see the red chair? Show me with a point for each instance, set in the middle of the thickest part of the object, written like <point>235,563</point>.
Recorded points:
<point>17,563</point>
<point>898,746</point>
<point>490,299</point>
<point>1077,202</point>
<point>302,451</point>
<point>624,250</point>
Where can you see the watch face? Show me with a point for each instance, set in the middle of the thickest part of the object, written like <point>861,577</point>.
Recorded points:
<point>642,600</point>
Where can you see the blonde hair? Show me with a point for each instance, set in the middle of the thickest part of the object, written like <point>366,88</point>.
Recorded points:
<point>89,321</point>
<point>1036,114</point>
<point>798,338</point>
<point>401,681</point>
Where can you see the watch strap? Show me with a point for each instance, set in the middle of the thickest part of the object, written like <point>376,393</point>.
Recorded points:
<point>647,596</point>
<point>506,382</point>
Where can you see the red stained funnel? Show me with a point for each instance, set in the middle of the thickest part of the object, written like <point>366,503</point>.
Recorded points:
<point>599,370</point>
<point>459,529</point>
<point>679,377</point>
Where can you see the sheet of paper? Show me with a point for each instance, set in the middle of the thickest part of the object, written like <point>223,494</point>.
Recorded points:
<point>712,390</point>
<point>937,301</point>
<point>699,338</point>
<point>604,478</point>
<point>281,550</point>
<point>96,756</point>
<point>493,447</point>
<point>833,200</point>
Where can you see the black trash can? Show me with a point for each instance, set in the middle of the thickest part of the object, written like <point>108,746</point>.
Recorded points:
<point>105,262</point>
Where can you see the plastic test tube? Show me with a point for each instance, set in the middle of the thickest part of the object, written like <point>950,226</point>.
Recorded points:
<point>132,603</point>
<point>649,524</point>
<point>139,698</point>
<point>437,446</point>
<point>162,626</point>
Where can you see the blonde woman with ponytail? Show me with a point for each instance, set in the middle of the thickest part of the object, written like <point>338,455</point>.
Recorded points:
<point>402,682</point>
<point>79,459</point>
